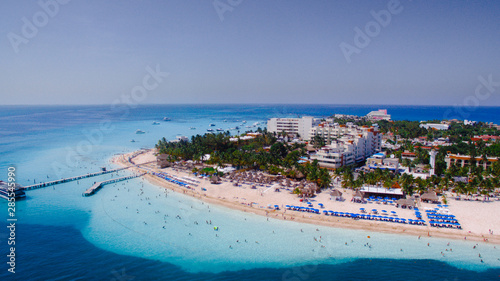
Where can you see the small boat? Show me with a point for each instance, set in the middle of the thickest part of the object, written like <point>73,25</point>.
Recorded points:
<point>212,124</point>
<point>210,130</point>
<point>132,140</point>
<point>225,120</point>
<point>220,129</point>
<point>156,123</point>
<point>236,128</point>
<point>166,119</point>
<point>192,128</point>
<point>243,121</point>
<point>140,132</point>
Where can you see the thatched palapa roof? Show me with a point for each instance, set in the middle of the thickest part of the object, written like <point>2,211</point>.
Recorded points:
<point>431,196</point>
<point>406,202</point>
<point>359,194</point>
<point>336,193</point>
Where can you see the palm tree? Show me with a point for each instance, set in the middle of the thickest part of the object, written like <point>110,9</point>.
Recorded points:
<point>407,183</point>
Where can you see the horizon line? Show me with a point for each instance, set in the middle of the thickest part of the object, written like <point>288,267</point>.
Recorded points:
<point>251,103</point>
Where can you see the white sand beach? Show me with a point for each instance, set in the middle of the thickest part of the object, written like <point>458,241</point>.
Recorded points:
<point>477,218</point>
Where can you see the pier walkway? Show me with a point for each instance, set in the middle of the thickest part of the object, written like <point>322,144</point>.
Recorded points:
<point>100,184</point>
<point>45,184</point>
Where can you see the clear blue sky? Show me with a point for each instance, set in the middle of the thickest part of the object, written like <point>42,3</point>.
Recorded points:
<point>93,52</point>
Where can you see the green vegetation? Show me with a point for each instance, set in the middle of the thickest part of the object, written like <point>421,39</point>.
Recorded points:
<point>480,180</point>
<point>263,152</point>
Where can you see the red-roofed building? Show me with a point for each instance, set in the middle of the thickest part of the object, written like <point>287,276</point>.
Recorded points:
<point>486,138</point>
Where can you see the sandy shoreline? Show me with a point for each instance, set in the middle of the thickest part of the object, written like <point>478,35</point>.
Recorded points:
<point>476,222</point>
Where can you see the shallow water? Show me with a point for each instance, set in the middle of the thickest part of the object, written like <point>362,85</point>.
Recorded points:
<point>64,234</point>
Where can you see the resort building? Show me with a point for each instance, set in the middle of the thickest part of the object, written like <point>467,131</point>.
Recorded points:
<point>294,126</point>
<point>248,136</point>
<point>180,138</point>
<point>492,125</point>
<point>361,141</point>
<point>465,160</point>
<point>470,122</point>
<point>435,126</point>
<point>486,138</point>
<point>380,114</point>
<point>408,155</point>
<point>379,161</point>
<point>376,191</point>
<point>334,156</point>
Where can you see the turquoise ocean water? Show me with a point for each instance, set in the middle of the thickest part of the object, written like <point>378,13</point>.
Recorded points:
<point>121,234</point>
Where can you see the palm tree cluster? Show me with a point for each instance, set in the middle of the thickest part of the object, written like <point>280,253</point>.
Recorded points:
<point>483,182</point>
<point>263,152</point>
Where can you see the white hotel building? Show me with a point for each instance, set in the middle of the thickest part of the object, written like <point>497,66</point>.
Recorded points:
<point>348,143</point>
<point>294,126</point>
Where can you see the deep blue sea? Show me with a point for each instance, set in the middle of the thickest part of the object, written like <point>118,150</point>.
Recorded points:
<point>117,235</point>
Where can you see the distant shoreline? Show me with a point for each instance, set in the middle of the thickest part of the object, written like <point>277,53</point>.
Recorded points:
<point>315,219</point>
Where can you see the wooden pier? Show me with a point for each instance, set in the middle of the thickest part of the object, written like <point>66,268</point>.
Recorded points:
<point>45,184</point>
<point>100,184</point>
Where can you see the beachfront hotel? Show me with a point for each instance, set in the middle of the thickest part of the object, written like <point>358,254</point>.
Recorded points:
<point>334,156</point>
<point>365,140</point>
<point>464,160</point>
<point>347,144</point>
<point>295,126</point>
<point>379,161</point>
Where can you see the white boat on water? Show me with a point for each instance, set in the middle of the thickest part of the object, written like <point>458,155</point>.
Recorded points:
<point>140,132</point>
<point>166,119</point>
<point>192,128</point>
<point>156,123</point>
<point>212,124</point>
<point>220,129</point>
<point>210,130</point>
